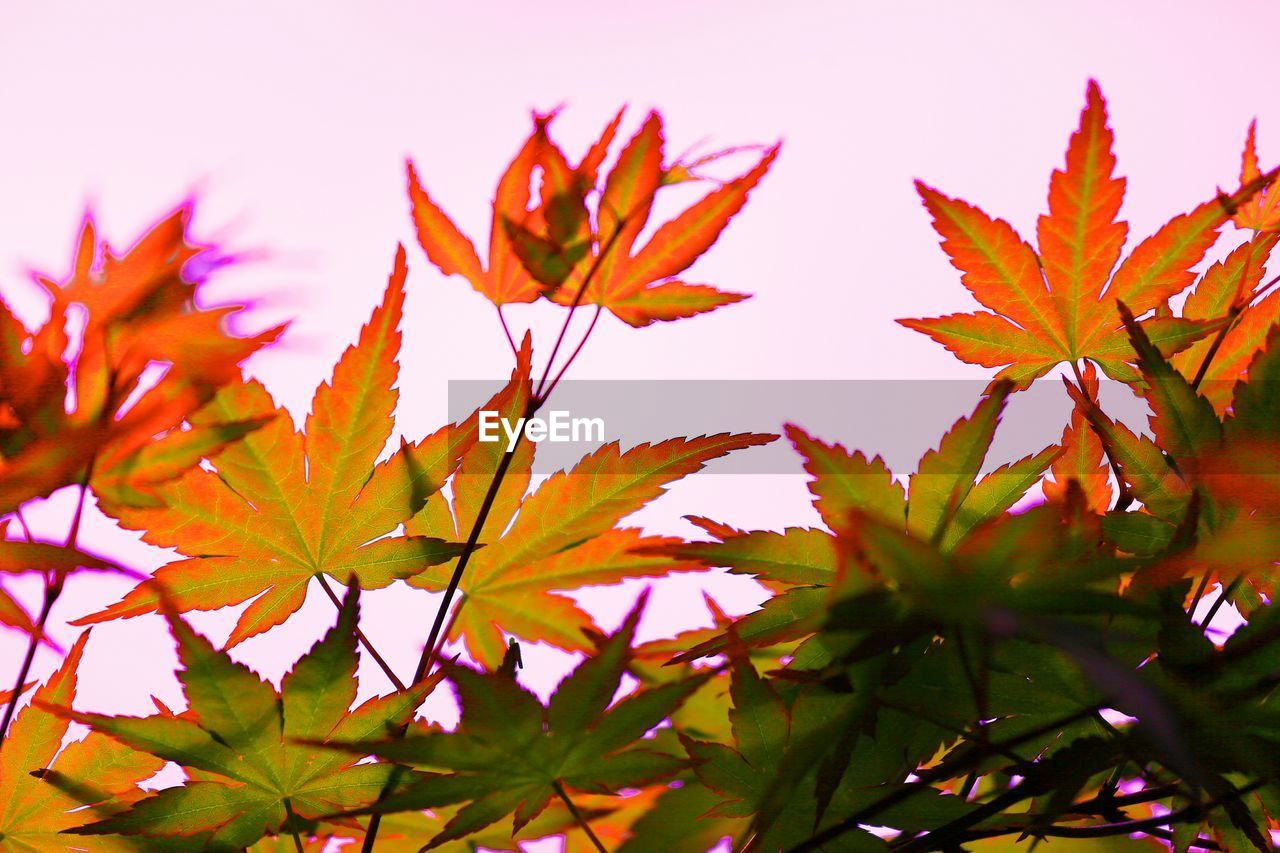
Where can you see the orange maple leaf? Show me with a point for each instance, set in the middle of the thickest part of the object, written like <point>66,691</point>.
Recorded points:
<point>639,288</point>
<point>68,401</point>
<point>284,507</point>
<point>1060,304</point>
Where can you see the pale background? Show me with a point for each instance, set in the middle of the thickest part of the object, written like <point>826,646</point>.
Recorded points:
<point>290,122</point>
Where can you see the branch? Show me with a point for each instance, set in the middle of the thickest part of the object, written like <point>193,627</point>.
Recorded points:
<point>50,596</point>
<point>53,583</point>
<point>925,779</point>
<point>536,399</point>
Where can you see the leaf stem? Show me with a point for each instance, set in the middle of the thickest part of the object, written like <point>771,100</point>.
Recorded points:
<point>293,825</point>
<point>73,535</point>
<point>536,399</point>
<point>364,641</point>
<point>577,816</point>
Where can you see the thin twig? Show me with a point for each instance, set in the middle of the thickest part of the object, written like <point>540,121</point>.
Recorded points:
<point>926,778</point>
<point>577,300</point>
<point>364,641</point>
<point>577,816</point>
<point>1200,591</point>
<point>536,400</point>
<point>448,629</point>
<point>953,833</point>
<point>49,598</point>
<point>1213,348</point>
<point>949,834</point>
<point>1222,599</point>
<point>53,583</point>
<point>1233,317</point>
<point>1099,804</point>
<point>473,539</point>
<point>574,354</point>
<point>1186,814</point>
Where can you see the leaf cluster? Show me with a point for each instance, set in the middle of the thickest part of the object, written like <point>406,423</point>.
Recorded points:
<point>978,654</point>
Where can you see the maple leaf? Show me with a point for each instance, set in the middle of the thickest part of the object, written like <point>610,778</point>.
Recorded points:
<point>18,557</point>
<point>1143,465</point>
<point>1231,288</point>
<point>285,507</point>
<point>1183,423</point>
<point>1224,469</point>
<point>510,754</point>
<point>138,313</point>
<point>610,818</point>
<point>44,791</point>
<point>505,278</point>
<point>286,844</point>
<point>948,494</point>
<point>743,778</point>
<point>6,695</point>
<point>761,726</point>
<point>1262,212</point>
<point>1059,305</point>
<point>946,498</point>
<point>640,287</point>
<point>14,615</point>
<point>563,536</point>
<point>552,249</point>
<point>1082,458</point>
<point>239,740</point>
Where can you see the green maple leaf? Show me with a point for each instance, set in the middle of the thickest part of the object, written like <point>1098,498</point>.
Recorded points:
<point>761,726</point>
<point>240,743</point>
<point>43,790</point>
<point>562,536</point>
<point>510,754</point>
<point>946,499</point>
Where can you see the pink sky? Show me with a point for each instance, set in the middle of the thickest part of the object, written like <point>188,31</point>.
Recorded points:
<point>291,123</point>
